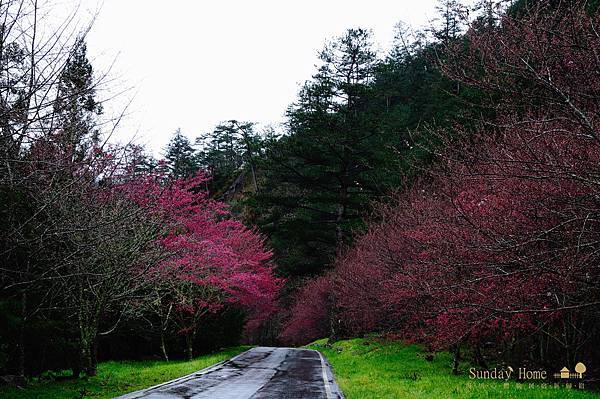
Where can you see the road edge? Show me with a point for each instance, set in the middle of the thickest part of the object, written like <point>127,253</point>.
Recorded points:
<point>140,393</point>
<point>336,392</point>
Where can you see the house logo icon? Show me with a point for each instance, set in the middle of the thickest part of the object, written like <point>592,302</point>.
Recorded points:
<point>566,374</point>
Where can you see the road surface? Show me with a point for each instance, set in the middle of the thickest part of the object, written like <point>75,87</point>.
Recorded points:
<point>259,373</point>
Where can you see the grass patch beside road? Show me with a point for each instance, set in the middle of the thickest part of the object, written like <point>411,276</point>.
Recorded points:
<point>373,368</point>
<point>116,378</point>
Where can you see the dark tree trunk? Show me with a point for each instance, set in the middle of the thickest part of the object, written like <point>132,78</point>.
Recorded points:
<point>189,341</point>
<point>76,369</point>
<point>479,360</point>
<point>84,357</point>
<point>455,370</point>
<point>21,358</point>
<point>21,343</point>
<point>163,347</point>
<point>94,357</point>
<point>341,214</point>
<point>254,183</point>
<point>87,349</point>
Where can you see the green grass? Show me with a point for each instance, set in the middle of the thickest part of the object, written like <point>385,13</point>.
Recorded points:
<point>373,368</point>
<point>116,378</point>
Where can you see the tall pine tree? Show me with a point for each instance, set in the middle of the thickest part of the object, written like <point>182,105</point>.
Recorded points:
<point>76,108</point>
<point>322,174</point>
<point>180,156</point>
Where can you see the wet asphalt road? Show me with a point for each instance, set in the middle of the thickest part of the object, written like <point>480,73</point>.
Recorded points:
<point>258,373</point>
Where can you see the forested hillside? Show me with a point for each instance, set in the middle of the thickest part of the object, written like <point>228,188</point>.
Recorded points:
<point>493,247</point>
<point>444,192</point>
<point>105,252</point>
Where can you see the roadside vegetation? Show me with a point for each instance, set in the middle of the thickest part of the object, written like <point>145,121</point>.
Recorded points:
<point>373,368</point>
<point>493,251</point>
<point>446,191</point>
<point>103,256</point>
<point>115,378</point>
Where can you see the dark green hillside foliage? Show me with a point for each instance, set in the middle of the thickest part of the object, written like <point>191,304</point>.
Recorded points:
<point>360,128</point>
<point>227,153</point>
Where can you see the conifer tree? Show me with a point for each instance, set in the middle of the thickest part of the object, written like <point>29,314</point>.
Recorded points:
<point>76,108</point>
<point>180,156</point>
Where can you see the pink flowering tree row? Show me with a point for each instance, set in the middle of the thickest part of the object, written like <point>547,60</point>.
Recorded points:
<point>208,259</point>
<point>498,245</point>
<point>111,244</point>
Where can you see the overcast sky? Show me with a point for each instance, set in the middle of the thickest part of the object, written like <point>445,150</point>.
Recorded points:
<point>193,63</point>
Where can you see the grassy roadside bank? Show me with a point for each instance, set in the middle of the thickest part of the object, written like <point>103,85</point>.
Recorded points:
<point>116,378</point>
<point>371,368</point>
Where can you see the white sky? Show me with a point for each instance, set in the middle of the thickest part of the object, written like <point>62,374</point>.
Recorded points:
<point>195,63</point>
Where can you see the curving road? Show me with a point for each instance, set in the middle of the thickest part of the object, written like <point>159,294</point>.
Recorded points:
<point>259,373</point>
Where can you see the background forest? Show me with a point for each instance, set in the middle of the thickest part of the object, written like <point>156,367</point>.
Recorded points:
<point>446,193</point>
